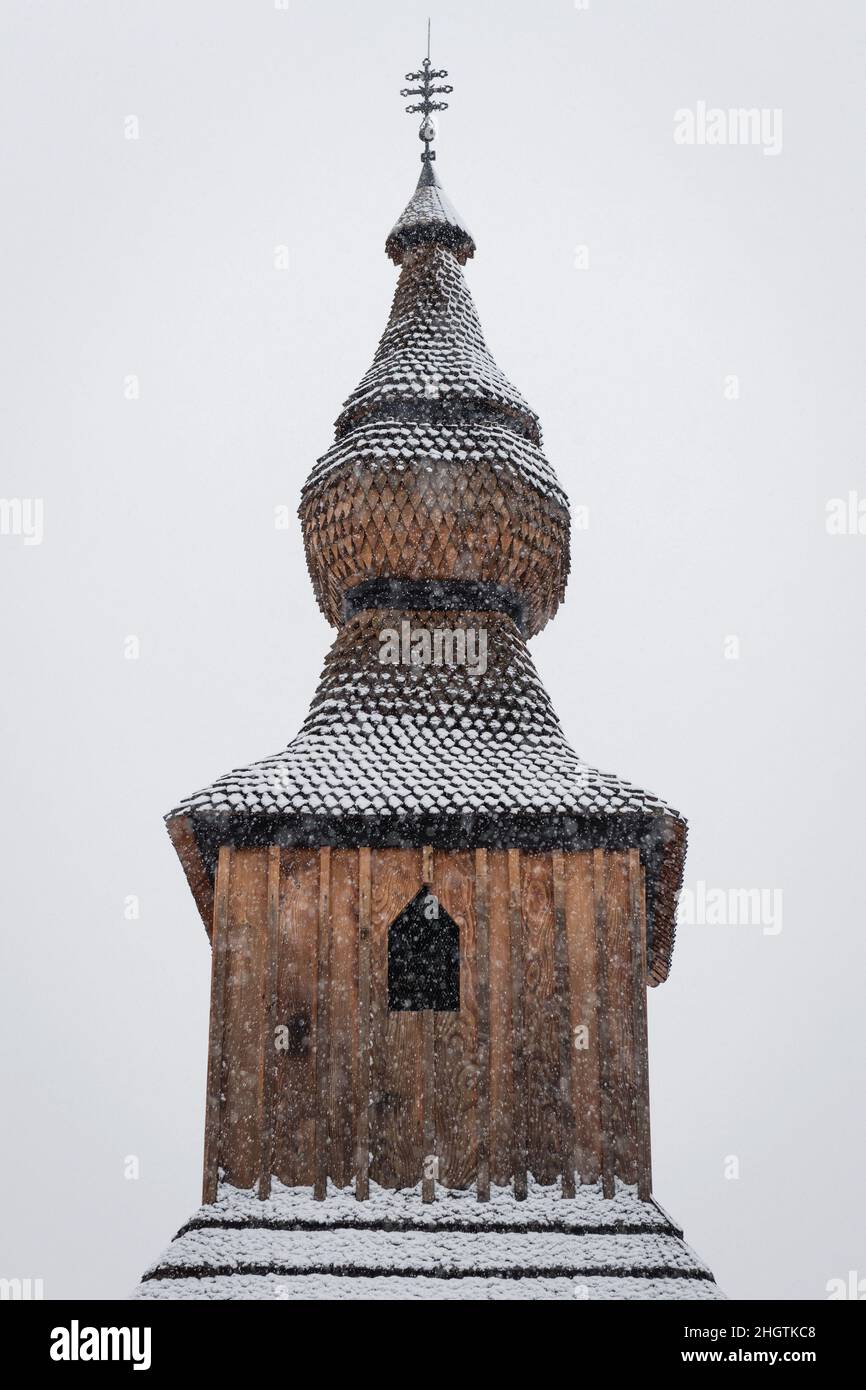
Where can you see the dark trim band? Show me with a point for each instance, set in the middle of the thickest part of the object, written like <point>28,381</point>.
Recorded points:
<point>413,235</point>
<point>439,410</point>
<point>434,596</point>
<point>439,1272</point>
<point>496,1228</point>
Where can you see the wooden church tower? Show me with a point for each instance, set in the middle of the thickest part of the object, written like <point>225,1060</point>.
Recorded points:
<point>432,924</point>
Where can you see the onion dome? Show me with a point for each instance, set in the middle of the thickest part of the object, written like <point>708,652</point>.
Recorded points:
<point>436,471</point>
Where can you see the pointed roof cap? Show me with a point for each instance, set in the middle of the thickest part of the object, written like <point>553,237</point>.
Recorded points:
<point>430,219</point>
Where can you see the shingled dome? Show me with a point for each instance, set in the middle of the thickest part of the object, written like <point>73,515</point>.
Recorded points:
<point>437,471</point>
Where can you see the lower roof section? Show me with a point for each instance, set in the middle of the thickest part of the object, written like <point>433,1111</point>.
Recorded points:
<point>393,1246</point>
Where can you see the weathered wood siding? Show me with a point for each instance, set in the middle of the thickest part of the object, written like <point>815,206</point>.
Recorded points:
<point>542,1072</point>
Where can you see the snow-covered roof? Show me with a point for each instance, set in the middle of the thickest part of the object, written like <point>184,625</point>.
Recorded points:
<point>429,218</point>
<point>394,1246</point>
<point>383,738</point>
<point>432,361</point>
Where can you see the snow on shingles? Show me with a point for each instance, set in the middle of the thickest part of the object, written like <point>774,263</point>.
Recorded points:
<point>428,209</point>
<point>426,735</point>
<point>457,1252</point>
<point>401,1247</point>
<point>376,444</point>
<point>433,349</point>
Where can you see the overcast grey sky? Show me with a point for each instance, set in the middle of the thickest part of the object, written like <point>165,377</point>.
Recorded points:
<point>154,258</point>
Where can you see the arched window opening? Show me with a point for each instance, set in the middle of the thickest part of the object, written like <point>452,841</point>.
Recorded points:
<point>423,957</point>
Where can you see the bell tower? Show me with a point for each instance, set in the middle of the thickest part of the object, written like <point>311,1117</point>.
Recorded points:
<point>432,924</point>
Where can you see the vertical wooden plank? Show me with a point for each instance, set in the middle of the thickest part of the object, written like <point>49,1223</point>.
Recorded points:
<point>241,1142</point>
<point>395,1039</point>
<point>456,1083</point>
<point>542,1013</point>
<point>599,888</point>
<point>501,1102</point>
<point>269,1020</point>
<point>563,989</point>
<point>637,915</point>
<point>403,1132</point>
<point>210,1179</point>
<point>322,1039</point>
<point>381,896</point>
<point>519,1164</point>
<point>482,941</point>
<point>362,1086</point>
<point>580,917</point>
<point>297,985</point>
<point>428,1070</point>
<point>620,983</point>
<point>342,1015</point>
<point>645,963</point>
<point>428,1104</point>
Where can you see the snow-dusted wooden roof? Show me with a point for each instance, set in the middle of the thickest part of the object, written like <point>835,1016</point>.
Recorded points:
<point>410,740</point>
<point>394,1246</point>
<point>430,218</point>
<point>432,361</point>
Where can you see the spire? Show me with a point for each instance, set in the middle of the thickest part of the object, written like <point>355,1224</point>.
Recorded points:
<point>429,217</point>
<point>436,474</point>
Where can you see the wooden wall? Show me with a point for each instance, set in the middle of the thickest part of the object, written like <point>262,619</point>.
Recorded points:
<point>542,1072</point>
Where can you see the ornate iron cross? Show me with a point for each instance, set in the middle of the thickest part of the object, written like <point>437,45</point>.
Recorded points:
<point>426,77</point>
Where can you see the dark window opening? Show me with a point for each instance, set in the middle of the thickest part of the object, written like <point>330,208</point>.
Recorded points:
<point>423,957</point>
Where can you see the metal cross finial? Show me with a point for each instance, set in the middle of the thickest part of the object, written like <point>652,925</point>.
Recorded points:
<point>426,77</point>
